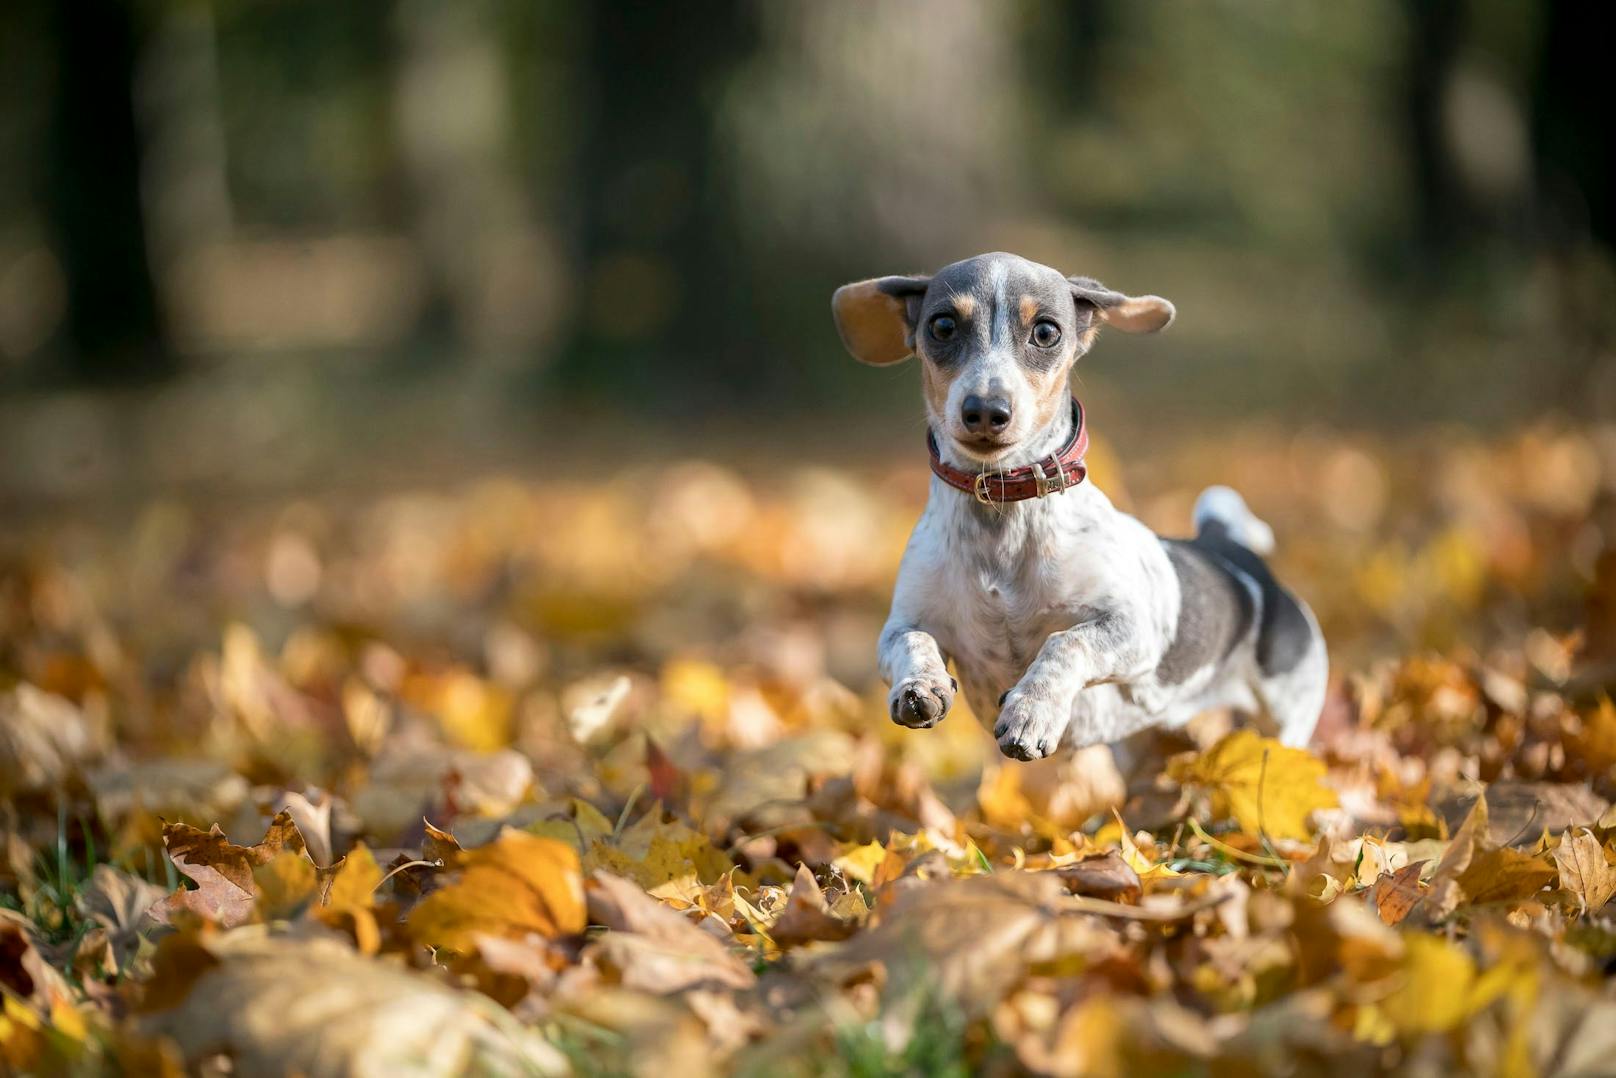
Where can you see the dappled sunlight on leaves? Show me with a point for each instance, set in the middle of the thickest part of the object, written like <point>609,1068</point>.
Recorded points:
<point>533,776</point>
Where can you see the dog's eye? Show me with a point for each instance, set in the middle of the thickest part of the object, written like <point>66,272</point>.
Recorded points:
<point>1045,334</point>
<point>943,327</point>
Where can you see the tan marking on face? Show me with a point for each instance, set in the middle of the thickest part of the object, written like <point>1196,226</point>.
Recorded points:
<point>935,384</point>
<point>1029,310</point>
<point>1050,389</point>
<point>964,306</point>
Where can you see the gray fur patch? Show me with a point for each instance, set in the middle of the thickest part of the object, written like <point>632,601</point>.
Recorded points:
<point>1214,613</point>
<point>1285,634</point>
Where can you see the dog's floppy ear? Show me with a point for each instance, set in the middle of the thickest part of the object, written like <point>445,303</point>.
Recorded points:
<point>1131,314</point>
<point>876,318</point>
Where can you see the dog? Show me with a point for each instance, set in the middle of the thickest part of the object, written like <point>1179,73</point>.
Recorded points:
<point>1066,618</point>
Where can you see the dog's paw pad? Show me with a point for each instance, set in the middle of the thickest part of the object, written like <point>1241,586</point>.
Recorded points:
<point>1025,730</point>
<point>921,702</point>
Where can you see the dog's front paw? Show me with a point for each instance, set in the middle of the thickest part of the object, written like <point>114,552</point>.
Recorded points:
<point>1029,727</point>
<point>921,702</point>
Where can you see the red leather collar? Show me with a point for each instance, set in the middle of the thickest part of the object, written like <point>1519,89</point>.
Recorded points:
<point>1055,473</point>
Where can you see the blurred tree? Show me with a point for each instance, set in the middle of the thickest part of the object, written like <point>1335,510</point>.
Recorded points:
<point>1574,114</point>
<point>664,289</point>
<point>1436,31</point>
<point>114,324</point>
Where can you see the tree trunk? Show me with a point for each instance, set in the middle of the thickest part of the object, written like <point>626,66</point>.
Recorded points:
<point>114,326</point>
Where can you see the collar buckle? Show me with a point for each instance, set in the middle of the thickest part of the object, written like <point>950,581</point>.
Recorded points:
<point>1047,484</point>
<point>979,489</point>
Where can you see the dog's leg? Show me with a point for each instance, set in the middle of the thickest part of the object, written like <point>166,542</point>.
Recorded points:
<point>1037,712</point>
<point>912,663</point>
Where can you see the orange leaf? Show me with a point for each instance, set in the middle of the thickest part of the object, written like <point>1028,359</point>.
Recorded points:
<point>517,884</point>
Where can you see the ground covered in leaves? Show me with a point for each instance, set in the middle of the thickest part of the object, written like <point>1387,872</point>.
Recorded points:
<point>518,776</point>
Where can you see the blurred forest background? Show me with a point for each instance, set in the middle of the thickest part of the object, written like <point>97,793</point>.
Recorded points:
<point>272,244</point>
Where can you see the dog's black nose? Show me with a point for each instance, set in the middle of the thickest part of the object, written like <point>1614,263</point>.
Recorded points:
<point>985,415</point>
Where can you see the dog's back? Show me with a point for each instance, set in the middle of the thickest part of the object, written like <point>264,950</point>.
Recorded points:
<point>1229,599</point>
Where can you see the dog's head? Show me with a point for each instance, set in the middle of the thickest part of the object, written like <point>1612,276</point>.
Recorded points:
<point>997,336</point>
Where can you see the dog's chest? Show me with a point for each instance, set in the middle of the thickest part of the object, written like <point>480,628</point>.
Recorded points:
<point>1010,582</point>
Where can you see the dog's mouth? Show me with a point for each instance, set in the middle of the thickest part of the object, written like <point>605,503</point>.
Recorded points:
<point>983,447</point>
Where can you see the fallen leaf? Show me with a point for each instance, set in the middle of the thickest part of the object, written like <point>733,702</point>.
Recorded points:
<point>517,884</point>
<point>314,1007</point>
<point>1439,989</point>
<point>350,898</point>
<point>1503,875</point>
<point>1266,787</point>
<point>969,939</point>
<point>1396,893</point>
<point>24,971</point>
<point>665,778</point>
<point>860,862</point>
<point>807,917</point>
<point>1517,812</point>
<point>223,872</point>
<point>654,949</point>
<point>1585,871</point>
<point>44,740</point>
<point>665,857</point>
<point>285,884</point>
<point>313,820</point>
<point>1446,893</point>
<point>1107,875</point>
<point>119,902</point>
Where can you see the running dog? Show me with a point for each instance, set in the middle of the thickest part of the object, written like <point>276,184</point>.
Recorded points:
<point>1065,617</point>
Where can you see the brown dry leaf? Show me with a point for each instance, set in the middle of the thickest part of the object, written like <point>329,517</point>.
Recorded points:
<point>24,972</point>
<point>440,847</point>
<point>1107,875</point>
<point>1396,893</point>
<point>1504,875</point>
<point>119,903</point>
<point>1585,871</point>
<point>1266,787</point>
<point>314,1007</point>
<point>654,949</point>
<point>178,789</point>
<point>970,939</point>
<point>517,884</point>
<point>1446,894</point>
<point>807,917</point>
<point>1518,812</point>
<point>44,740</point>
<point>223,872</point>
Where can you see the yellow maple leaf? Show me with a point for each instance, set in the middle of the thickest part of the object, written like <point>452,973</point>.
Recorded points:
<point>1266,787</point>
<point>1441,986</point>
<point>667,858</point>
<point>351,898</point>
<point>1437,982</point>
<point>285,883</point>
<point>517,884</point>
<point>354,883</point>
<point>1143,867</point>
<point>860,862</point>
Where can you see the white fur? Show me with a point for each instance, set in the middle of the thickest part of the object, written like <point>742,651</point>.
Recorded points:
<point>1066,605</point>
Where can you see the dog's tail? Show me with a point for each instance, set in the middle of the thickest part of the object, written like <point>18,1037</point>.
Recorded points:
<point>1223,508</point>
